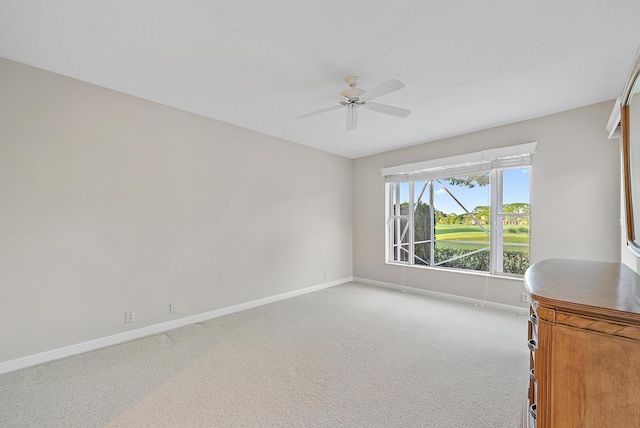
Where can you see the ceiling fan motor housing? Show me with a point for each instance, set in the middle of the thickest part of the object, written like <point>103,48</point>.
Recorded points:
<point>353,94</point>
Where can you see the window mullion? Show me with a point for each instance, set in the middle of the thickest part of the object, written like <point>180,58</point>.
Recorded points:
<point>433,225</point>
<point>495,208</point>
<point>412,209</point>
<point>390,217</point>
<point>398,224</point>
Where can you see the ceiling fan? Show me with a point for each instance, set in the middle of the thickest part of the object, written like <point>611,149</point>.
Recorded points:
<point>355,97</point>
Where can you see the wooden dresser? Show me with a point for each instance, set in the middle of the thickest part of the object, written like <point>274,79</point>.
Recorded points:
<point>584,337</point>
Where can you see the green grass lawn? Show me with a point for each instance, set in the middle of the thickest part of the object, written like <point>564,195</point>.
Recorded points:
<point>473,233</point>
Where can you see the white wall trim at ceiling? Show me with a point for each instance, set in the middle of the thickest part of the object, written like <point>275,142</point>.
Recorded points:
<point>115,339</point>
<point>488,155</point>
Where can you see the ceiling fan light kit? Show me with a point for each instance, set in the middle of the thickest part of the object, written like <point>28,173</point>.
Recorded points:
<point>355,97</point>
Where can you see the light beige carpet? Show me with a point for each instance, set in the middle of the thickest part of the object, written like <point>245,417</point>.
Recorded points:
<point>349,356</point>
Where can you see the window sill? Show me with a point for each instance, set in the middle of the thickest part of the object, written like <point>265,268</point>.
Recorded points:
<point>461,271</point>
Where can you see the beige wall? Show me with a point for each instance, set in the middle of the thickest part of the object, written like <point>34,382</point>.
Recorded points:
<point>574,201</point>
<point>111,203</point>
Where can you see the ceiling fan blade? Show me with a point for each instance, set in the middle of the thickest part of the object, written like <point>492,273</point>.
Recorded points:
<point>394,111</point>
<point>304,116</point>
<point>352,117</point>
<point>385,88</point>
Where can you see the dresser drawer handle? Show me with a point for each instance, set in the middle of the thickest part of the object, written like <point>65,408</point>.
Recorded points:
<point>533,345</point>
<point>533,411</point>
<point>534,319</point>
<point>531,376</point>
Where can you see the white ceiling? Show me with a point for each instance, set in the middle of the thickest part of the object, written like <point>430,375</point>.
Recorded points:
<point>467,65</point>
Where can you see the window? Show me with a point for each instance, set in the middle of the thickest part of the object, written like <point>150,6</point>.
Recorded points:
<point>472,214</point>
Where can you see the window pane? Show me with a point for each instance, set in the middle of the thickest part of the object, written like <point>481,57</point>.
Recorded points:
<point>515,260</point>
<point>399,232</point>
<point>515,190</point>
<point>515,242</point>
<point>462,222</point>
<point>422,255</point>
<point>422,223</point>
<point>462,256</point>
<point>401,195</point>
<point>515,233</point>
<point>400,239</point>
<point>452,195</point>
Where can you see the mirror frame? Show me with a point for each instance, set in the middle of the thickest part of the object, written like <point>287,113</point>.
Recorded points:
<point>633,241</point>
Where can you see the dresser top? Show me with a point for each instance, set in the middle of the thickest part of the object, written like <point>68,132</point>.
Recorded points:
<point>588,287</point>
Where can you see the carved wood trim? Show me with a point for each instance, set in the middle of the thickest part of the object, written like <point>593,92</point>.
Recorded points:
<point>600,326</point>
<point>546,314</point>
<point>630,317</point>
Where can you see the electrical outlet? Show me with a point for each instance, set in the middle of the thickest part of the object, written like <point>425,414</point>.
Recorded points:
<point>173,308</point>
<point>524,297</point>
<point>128,317</point>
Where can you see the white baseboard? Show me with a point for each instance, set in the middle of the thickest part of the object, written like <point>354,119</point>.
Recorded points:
<point>91,345</point>
<point>468,300</point>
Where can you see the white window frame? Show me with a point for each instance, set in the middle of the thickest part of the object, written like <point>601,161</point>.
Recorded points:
<point>494,161</point>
